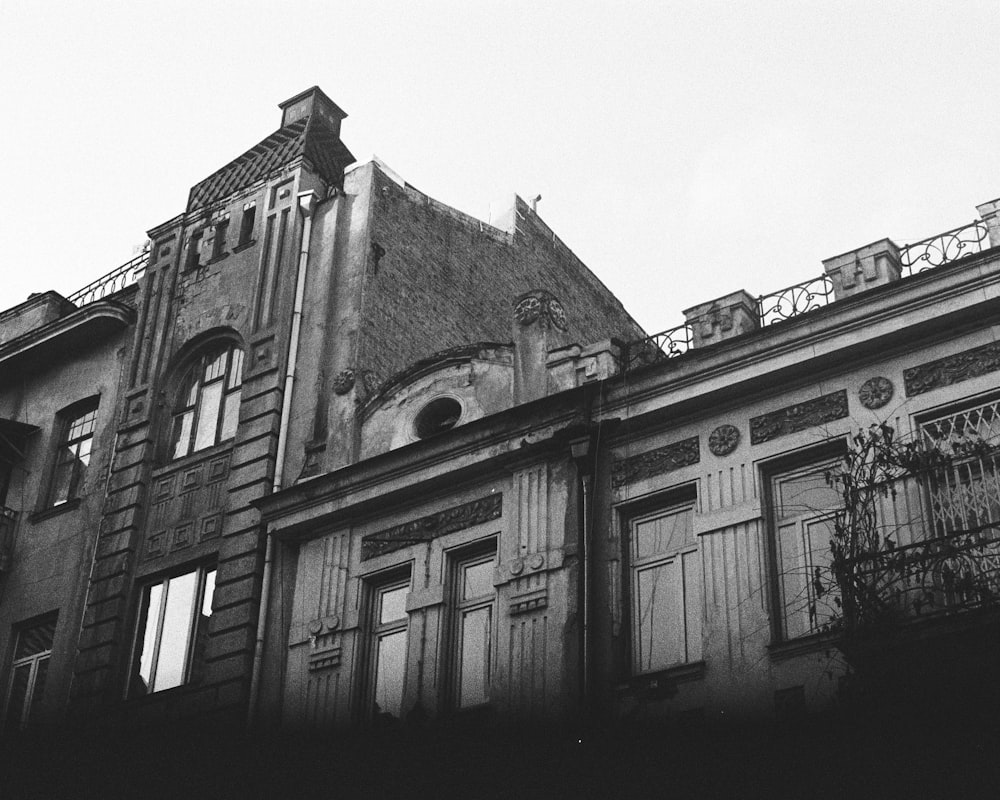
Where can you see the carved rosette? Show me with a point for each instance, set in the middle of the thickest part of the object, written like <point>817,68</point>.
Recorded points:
<point>540,307</point>
<point>875,392</point>
<point>343,382</point>
<point>723,440</point>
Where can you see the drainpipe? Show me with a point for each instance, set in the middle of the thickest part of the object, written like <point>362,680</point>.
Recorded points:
<point>581,450</point>
<point>307,203</point>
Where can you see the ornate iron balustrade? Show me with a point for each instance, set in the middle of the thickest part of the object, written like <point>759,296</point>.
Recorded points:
<point>116,280</point>
<point>8,519</point>
<point>795,300</point>
<point>658,347</point>
<point>944,248</point>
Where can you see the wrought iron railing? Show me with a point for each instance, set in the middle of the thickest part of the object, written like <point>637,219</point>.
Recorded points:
<point>116,280</point>
<point>944,248</point>
<point>658,347</point>
<point>794,300</point>
<point>8,519</point>
<point>815,293</point>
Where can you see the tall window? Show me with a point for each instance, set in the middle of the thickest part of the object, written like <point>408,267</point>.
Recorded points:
<point>665,588</point>
<point>172,632</point>
<point>387,674</point>
<point>27,675</point>
<point>247,223</point>
<point>803,506</point>
<point>76,439</point>
<point>208,405</point>
<point>474,615</point>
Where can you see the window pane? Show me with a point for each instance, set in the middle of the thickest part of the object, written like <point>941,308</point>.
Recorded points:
<point>392,604</point>
<point>659,608</point>
<point>38,690</point>
<point>478,580</point>
<point>18,694</point>
<point>235,370</point>
<point>208,415</point>
<point>807,495</point>
<point>230,416</point>
<point>62,481</point>
<point>390,669</point>
<point>475,656</point>
<point>200,642</point>
<point>149,618</point>
<point>662,535</point>
<point>34,640</point>
<point>176,631</point>
<point>181,440</point>
<point>83,453</point>
<point>215,365</point>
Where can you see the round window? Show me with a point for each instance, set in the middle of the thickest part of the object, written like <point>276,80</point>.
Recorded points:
<point>437,416</point>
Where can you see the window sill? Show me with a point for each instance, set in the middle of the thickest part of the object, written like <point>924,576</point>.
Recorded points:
<point>217,259</point>
<point>55,511</point>
<point>663,683</point>
<point>244,245</point>
<point>804,645</point>
<point>194,458</point>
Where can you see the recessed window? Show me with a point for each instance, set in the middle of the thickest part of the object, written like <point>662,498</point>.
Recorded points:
<point>172,632</point>
<point>28,671</point>
<point>76,440</point>
<point>246,223</point>
<point>194,251</point>
<point>387,659</point>
<point>208,401</point>
<point>474,598</point>
<point>219,240</point>
<point>665,588</point>
<point>437,416</point>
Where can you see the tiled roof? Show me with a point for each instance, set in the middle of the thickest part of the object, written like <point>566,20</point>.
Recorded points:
<point>308,137</point>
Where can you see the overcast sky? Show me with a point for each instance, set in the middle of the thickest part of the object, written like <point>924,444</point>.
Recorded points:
<point>682,150</point>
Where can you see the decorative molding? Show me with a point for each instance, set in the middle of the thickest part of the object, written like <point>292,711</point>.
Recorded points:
<point>655,462</point>
<point>541,307</point>
<point>951,369</point>
<point>792,419</point>
<point>343,382</point>
<point>875,392</point>
<point>530,600</point>
<point>432,526</point>
<point>723,440</point>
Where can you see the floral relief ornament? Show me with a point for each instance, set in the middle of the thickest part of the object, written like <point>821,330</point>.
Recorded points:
<point>723,440</point>
<point>875,392</point>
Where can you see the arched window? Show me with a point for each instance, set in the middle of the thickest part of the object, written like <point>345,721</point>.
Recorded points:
<point>208,401</point>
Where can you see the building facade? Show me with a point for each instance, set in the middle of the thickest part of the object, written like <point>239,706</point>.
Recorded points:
<point>645,535</point>
<point>231,365</point>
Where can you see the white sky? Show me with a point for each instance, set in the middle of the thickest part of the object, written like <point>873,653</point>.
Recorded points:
<point>683,150</point>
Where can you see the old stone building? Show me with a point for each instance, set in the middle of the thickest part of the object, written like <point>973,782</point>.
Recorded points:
<point>642,532</point>
<point>143,418</point>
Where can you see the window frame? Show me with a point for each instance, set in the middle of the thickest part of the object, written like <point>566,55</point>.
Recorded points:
<point>66,420</point>
<point>190,391</point>
<point>33,661</point>
<point>377,588</point>
<point>205,576</point>
<point>458,561</point>
<point>675,500</point>
<point>811,459</point>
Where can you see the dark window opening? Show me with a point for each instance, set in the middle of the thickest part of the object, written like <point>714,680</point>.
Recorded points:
<point>438,416</point>
<point>247,223</point>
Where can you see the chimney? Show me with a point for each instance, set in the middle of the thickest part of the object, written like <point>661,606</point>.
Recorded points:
<point>539,326</point>
<point>312,102</point>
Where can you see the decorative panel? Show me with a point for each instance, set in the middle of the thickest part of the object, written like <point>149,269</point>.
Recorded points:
<point>951,369</point>
<point>798,417</point>
<point>656,462</point>
<point>432,526</point>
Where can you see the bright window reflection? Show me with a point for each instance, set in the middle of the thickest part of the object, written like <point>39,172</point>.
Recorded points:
<point>173,628</point>
<point>208,402</point>
<point>474,614</point>
<point>388,675</point>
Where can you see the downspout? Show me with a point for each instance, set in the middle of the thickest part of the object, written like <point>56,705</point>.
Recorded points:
<point>307,204</point>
